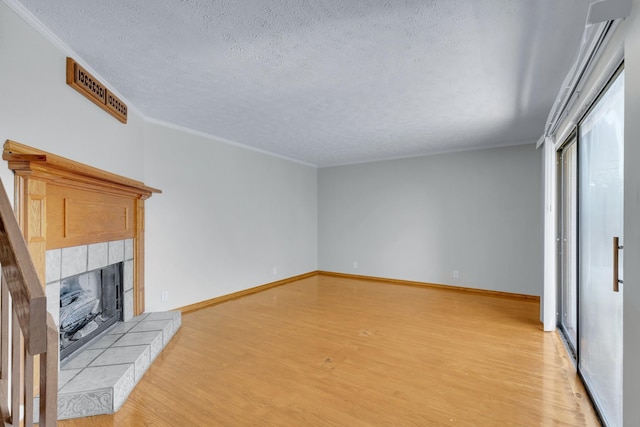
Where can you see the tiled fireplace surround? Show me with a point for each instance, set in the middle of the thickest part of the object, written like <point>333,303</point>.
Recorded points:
<point>98,378</point>
<point>66,262</point>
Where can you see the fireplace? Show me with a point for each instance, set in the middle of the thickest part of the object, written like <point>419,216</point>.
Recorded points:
<point>62,205</point>
<point>89,304</point>
<point>89,289</point>
<point>75,219</point>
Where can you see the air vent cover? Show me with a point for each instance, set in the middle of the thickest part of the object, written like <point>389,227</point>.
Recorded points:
<point>82,81</point>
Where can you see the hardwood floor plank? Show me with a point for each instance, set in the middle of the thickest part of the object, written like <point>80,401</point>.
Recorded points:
<point>335,351</point>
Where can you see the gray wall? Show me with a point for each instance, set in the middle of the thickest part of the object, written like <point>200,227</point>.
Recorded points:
<point>419,219</point>
<point>228,218</point>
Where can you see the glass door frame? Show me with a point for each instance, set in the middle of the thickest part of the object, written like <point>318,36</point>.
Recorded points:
<point>572,345</point>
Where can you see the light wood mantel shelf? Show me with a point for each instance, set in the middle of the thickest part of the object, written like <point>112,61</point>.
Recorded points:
<point>62,203</point>
<point>27,160</point>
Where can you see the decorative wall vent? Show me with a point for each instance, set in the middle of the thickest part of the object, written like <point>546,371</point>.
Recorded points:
<point>118,107</point>
<point>82,81</point>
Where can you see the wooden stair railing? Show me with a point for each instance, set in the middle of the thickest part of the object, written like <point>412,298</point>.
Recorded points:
<point>26,330</point>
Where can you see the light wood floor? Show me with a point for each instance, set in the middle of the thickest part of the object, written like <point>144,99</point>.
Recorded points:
<point>340,352</point>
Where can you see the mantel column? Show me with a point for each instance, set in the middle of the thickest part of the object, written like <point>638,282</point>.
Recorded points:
<point>138,259</point>
<point>31,212</point>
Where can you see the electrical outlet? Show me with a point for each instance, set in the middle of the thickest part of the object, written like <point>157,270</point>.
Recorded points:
<point>355,265</point>
<point>275,270</point>
<point>164,296</point>
<point>456,274</point>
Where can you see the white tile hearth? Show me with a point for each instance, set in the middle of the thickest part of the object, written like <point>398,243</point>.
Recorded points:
<point>98,379</point>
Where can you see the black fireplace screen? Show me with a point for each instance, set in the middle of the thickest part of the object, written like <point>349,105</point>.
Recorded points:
<point>89,304</point>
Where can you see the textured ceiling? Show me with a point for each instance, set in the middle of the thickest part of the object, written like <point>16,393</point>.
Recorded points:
<point>332,82</point>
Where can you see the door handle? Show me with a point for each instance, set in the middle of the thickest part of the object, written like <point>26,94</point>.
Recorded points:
<point>616,249</point>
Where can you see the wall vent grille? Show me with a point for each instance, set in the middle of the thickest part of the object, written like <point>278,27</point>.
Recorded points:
<point>82,81</point>
<point>116,105</point>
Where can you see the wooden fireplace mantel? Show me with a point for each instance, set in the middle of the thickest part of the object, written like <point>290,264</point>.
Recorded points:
<point>62,203</point>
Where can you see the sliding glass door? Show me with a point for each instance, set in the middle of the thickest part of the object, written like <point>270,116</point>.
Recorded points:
<point>600,218</point>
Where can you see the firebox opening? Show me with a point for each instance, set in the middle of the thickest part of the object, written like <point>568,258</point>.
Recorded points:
<point>89,303</point>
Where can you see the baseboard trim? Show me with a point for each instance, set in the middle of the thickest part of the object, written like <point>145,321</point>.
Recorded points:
<point>498,294</point>
<point>217,300</point>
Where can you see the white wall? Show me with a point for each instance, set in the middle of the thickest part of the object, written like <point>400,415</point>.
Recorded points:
<point>227,216</point>
<point>631,276</point>
<point>37,108</point>
<point>419,219</point>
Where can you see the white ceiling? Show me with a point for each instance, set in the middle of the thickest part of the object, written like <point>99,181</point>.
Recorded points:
<point>332,82</point>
